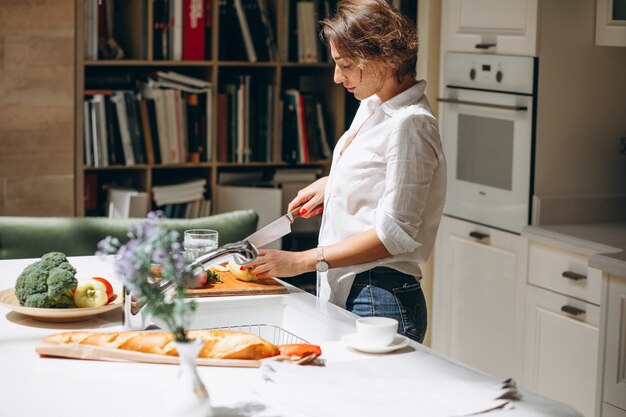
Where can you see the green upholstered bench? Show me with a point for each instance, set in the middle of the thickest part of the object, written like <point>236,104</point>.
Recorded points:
<point>31,237</point>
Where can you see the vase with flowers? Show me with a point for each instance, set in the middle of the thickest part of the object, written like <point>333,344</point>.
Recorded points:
<point>150,243</point>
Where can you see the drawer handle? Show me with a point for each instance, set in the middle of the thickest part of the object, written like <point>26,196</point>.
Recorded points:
<point>485,45</point>
<point>573,275</point>
<point>478,235</point>
<point>572,310</point>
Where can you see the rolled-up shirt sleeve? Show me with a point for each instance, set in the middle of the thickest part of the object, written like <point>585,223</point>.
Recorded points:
<point>412,160</point>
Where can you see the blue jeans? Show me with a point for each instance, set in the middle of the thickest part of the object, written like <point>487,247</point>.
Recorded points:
<point>383,291</point>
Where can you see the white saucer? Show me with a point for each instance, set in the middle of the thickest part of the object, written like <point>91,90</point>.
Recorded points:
<point>399,342</point>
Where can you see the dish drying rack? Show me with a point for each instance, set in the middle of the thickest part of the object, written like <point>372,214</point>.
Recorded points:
<point>273,334</point>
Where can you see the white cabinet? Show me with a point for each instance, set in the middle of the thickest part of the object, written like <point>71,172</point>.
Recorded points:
<point>562,326</point>
<point>610,23</point>
<point>478,297</point>
<point>614,339</point>
<point>561,348</point>
<point>500,26</point>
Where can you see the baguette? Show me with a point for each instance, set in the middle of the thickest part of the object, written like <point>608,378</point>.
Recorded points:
<point>218,344</point>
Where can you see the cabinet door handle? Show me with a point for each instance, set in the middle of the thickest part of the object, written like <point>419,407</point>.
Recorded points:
<point>573,275</point>
<point>478,235</point>
<point>572,310</point>
<point>485,45</point>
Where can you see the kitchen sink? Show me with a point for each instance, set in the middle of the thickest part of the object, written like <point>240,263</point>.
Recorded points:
<point>297,317</point>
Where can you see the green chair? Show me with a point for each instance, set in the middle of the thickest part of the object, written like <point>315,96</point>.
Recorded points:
<point>32,237</point>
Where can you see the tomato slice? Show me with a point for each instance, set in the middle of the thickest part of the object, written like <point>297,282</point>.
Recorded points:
<point>110,293</point>
<point>299,349</point>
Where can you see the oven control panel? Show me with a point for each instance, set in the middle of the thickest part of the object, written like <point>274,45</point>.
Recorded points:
<point>505,73</point>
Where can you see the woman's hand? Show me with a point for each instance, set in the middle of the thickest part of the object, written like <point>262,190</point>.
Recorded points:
<point>282,264</point>
<point>311,198</point>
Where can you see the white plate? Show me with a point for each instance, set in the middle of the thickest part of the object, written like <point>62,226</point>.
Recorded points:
<point>56,315</point>
<point>351,340</point>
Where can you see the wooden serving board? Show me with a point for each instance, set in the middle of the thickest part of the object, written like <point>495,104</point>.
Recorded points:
<point>98,353</point>
<point>229,286</point>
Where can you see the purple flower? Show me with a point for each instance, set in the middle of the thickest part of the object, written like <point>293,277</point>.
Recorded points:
<point>151,242</point>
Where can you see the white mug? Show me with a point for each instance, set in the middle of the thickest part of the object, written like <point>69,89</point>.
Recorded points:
<point>376,331</point>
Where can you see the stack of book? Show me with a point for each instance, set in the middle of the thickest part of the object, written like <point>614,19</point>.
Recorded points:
<point>112,129</point>
<point>182,200</point>
<point>245,121</point>
<point>246,31</point>
<point>124,203</point>
<point>304,137</point>
<point>182,117</point>
<point>167,122</point>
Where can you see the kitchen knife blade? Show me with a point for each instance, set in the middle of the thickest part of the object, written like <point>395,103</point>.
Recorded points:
<point>273,231</point>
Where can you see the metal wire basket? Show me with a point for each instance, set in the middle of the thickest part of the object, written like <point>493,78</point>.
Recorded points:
<point>273,334</point>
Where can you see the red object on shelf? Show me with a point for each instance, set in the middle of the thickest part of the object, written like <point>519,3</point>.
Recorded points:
<point>193,30</point>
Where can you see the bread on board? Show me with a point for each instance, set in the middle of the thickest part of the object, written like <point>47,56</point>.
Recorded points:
<point>218,344</point>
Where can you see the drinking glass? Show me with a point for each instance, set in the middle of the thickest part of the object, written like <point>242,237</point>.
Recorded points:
<point>199,241</point>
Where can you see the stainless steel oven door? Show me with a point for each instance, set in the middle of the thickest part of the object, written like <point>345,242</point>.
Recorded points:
<point>487,140</point>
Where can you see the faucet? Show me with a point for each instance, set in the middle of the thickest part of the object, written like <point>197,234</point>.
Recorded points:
<point>135,315</point>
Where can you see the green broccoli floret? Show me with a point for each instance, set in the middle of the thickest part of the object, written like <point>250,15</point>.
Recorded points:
<point>47,283</point>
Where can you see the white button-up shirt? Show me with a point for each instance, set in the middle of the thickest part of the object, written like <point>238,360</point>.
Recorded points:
<point>392,177</point>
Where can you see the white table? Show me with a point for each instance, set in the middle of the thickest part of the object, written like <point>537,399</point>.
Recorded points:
<point>31,386</point>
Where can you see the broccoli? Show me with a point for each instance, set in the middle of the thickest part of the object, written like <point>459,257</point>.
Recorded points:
<point>47,283</point>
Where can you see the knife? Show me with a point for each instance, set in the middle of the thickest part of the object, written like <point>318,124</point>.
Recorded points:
<point>273,231</point>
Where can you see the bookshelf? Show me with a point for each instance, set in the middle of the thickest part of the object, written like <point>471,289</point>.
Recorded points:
<point>314,78</point>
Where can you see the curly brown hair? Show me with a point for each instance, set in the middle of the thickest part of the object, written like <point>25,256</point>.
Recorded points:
<point>373,31</point>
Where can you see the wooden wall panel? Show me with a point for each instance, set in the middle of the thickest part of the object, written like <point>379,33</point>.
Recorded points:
<point>37,71</point>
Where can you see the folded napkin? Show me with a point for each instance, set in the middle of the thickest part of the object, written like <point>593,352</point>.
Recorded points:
<point>383,386</point>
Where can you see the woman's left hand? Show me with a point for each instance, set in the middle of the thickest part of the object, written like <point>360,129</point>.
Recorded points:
<point>279,263</point>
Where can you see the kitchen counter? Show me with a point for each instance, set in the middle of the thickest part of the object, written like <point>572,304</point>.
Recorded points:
<point>605,242</point>
<point>31,385</point>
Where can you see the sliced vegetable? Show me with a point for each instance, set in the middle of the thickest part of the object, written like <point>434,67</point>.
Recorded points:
<point>299,350</point>
<point>110,293</point>
<point>221,268</point>
<point>91,293</point>
<point>241,272</point>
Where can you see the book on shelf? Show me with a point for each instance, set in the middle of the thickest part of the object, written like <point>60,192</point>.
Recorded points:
<point>167,121</point>
<point>160,24</point>
<point>150,144</point>
<point>245,31</point>
<point>231,43</point>
<point>304,137</point>
<point>176,30</point>
<point>87,137</point>
<point>267,30</point>
<point>124,128</point>
<point>307,34</point>
<point>134,126</point>
<point>124,203</point>
<point>187,210</point>
<point>245,123</point>
<point>180,192</point>
<point>114,142</point>
<point>298,21</point>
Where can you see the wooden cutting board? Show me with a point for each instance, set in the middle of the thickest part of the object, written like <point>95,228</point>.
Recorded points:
<point>229,286</point>
<point>98,353</point>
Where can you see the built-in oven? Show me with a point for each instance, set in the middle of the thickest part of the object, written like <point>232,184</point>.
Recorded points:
<point>487,127</point>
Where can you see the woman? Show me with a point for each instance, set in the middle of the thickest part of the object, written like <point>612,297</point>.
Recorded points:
<point>384,196</point>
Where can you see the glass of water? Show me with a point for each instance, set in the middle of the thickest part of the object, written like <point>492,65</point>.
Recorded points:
<point>199,241</point>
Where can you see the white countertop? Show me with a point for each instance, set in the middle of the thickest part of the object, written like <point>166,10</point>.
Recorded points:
<point>31,385</point>
<point>605,242</point>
